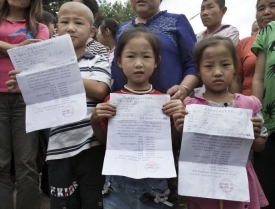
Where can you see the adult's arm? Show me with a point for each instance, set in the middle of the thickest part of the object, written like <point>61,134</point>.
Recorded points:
<point>186,42</point>
<point>258,79</point>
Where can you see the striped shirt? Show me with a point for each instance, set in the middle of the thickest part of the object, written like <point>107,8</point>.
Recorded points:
<point>96,48</point>
<point>69,140</point>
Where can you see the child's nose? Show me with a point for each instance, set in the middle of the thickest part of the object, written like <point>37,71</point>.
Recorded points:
<point>70,27</point>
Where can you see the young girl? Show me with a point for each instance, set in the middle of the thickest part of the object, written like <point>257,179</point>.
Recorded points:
<point>18,27</point>
<point>106,35</point>
<point>137,54</point>
<point>215,58</point>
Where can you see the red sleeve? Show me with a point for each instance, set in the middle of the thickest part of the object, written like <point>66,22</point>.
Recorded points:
<point>104,121</point>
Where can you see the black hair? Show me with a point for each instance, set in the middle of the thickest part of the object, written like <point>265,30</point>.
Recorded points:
<point>138,32</point>
<point>213,41</point>
<point>221,3</point>
<point>47,18</point>
<point>109,23</point>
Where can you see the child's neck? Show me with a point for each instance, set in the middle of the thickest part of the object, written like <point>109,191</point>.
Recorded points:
<point>218,97</point>
<point>16,14</point>
<point>80,52</point>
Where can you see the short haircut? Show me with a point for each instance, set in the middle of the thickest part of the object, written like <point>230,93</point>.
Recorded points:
<point>72,5</point>
<point>109,23</point>
<point>92,5</point>
<point>213,41</point>
<point>221,3</point>
<point>138,32</point>
<point>47,18</point>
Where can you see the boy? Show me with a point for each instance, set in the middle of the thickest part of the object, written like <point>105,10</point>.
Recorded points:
<point>212,12</point>
<point>74,156</point>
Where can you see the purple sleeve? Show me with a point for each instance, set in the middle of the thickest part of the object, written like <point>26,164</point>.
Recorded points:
<point>187,40</point>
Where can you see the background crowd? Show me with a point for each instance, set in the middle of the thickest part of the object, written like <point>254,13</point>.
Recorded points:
<point>74,153</point>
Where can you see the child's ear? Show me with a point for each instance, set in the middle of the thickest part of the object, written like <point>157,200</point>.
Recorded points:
<point>158,62</point>
<point>92,33</point>
<point>107,32</point>
<point>119,62</point>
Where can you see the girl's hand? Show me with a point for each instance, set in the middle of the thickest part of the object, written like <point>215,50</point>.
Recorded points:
<point>178,119</point>
<point>172,107</point>
<point>257,126</point>
<point>103,110</point>
<point>12,83</point>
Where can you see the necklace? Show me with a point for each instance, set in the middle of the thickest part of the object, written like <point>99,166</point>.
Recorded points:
<point>139,92</point>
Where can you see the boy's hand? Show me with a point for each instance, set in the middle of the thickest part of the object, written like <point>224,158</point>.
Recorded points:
<point>103,110</point>
<point>12,83</point>
<point>172,107</point>
<point>257,126</point>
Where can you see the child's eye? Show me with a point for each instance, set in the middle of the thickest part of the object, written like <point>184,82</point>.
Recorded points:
<point>79,23</point>
<point>129,56</point>
<point>226,64</point>
<point>147,56</point>
<point>64,22</point>
<point>208,66</point>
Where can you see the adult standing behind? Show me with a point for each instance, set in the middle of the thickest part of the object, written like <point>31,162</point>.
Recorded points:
<point>263,88</point>
<point>212,12</point>
<point>106,35</point>
<point>18,27</point>
<point>176,73</point>
<point>242,81</point>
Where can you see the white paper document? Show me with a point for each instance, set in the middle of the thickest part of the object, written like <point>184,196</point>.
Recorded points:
<point>215,145</point>
<point>139,138</point>
<point>50,82</point>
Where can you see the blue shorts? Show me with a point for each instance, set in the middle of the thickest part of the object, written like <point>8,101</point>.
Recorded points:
<point>130,193</point>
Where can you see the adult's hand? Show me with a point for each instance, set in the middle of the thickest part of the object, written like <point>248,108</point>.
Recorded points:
<point>29,41</point>
<point>178,92</point>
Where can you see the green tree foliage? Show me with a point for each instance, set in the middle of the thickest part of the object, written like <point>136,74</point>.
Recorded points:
<point>118,10</point>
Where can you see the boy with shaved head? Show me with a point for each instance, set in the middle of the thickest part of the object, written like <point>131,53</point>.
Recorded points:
<point>212,12</point>
<point>74,155</point>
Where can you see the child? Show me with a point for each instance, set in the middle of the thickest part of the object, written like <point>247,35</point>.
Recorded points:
<point>137,54</point>
<point>212,12</point>
<point>74,155</point>
<point>49,20</point>
<point>216,60</point>
<point>92,45</point>
<point>106,35</point>
<point>18,27</point>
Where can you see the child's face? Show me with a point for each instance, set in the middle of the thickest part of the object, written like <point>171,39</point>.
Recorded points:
<point>265,12</point>
<point>75,22</point>
<point>101,37</point>
<point>255,29</point>
<point>211,14</point>
<point>216,68</point>
<point>138,63</point>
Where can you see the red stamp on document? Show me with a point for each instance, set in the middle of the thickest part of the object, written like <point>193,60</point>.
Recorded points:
<point>226,185</point>
<point>151,166</point>
<point>68,111</point>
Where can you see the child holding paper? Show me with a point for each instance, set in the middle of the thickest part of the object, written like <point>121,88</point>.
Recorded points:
<point>74,155</point>
<point>138,54</point>
<point>216,61</point>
